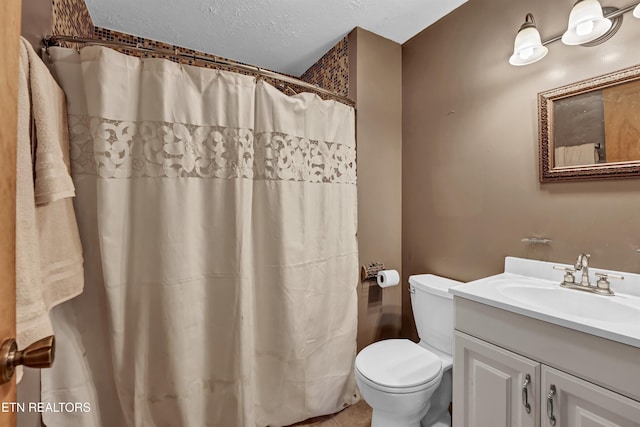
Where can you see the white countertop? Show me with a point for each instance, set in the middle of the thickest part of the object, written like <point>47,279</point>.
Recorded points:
<point>612,317</point>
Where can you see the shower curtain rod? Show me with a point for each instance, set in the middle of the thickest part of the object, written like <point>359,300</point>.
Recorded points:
<point>55,40</point>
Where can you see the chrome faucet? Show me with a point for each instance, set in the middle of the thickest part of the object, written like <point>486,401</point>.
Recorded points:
<point>582,263</point>
<point>602,287</point>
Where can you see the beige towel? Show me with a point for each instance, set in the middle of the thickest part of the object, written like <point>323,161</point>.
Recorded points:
<point>48,105</point>
<point>30,307</point>
<point>48,252</point>
<point>577,155</point>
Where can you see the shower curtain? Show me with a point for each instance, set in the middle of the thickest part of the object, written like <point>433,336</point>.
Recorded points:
<point>218,221</point>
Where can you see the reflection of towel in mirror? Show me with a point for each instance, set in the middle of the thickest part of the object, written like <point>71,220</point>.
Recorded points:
<point>578,155</point>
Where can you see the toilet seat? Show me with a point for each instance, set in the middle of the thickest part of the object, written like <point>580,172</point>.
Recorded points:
<point>398,390</point>
<point>398,366</point>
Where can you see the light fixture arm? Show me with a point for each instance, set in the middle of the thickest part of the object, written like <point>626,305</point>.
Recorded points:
<point>610,15</point>
<point>529,22</point>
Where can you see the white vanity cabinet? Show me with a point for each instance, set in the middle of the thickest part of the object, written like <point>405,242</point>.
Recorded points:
<point>595,381</point>
<point>570,401</point>
<point>493,387</point>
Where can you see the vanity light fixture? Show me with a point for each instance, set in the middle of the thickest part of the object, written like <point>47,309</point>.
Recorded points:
<point>527,48</point>
<point>586,23</point>
<point>589,25</point>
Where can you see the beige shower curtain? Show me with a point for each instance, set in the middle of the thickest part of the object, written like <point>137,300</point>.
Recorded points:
<point>218,219</point>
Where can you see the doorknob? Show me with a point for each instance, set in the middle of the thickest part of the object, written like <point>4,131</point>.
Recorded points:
<point>40,354</point>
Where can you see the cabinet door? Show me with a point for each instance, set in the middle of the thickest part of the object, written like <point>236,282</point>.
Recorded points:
<point>489,386</point>
<point>578,403</point>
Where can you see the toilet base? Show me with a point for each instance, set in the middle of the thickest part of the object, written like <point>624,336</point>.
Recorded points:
<point>387,419</point>
<point>444,421</point>
<point>439,415</point>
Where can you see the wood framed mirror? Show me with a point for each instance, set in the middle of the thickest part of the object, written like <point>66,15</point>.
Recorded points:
<point>591,129</point>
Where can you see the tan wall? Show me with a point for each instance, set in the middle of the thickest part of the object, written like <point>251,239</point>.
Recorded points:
<point>37,20</point>
<point>375,82</point>
<point>470,178</point>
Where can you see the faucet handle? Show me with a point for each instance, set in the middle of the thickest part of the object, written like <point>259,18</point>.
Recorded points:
<point>569,278</point>
<point>603,286</point>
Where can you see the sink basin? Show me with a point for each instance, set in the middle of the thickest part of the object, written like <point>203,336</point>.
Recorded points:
<point>532,288</point>
<point>574,303</point>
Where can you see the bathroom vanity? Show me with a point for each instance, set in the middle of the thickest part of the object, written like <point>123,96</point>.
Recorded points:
<point>529,353</point>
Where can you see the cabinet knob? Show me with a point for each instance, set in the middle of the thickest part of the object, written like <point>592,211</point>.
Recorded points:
<point>40,354</point>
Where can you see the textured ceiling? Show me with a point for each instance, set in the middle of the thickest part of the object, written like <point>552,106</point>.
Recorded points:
<point>282,35</point>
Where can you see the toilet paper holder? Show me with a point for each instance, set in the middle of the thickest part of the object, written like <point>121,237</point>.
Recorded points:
<point>370,272</point>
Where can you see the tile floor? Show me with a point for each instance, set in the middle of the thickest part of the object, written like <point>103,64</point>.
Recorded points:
<point>358,415</point>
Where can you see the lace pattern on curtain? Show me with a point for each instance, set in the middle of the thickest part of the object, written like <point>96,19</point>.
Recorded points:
<point>125,149</point>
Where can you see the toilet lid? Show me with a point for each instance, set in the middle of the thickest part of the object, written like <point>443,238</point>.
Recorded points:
<point>398,363</point>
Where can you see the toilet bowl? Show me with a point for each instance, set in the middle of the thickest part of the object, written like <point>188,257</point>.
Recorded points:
<point>397,379</point>
<point>409,384</point>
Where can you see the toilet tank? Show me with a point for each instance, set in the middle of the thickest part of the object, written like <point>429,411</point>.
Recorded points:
<point>432,306</point>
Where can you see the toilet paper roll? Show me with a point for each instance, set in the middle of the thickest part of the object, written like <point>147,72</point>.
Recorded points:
<point>388,278</point>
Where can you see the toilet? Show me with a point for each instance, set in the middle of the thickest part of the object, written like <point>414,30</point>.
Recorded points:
<point>409,384</point>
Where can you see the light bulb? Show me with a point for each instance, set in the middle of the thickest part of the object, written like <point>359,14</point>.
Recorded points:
<point>584,28</point>
<point>526,53</point>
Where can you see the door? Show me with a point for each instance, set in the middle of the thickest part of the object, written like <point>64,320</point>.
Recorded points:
<point>571,401</point>
<point>9,45</point>
<point>492,386</point>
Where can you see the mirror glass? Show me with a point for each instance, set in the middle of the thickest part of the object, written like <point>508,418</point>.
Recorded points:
<point>591,129</point>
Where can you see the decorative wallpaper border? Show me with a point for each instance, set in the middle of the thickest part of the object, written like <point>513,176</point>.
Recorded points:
<point>71,17</point>
<point>332,70</point>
